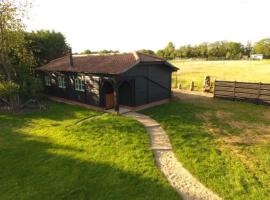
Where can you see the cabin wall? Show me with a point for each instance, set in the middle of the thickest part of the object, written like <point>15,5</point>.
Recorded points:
<point>144,83</point>
<point>91,85</point>
<point>152,82</point>
<point>92,88</point>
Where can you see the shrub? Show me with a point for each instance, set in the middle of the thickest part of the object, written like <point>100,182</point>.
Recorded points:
<point>9,92</point>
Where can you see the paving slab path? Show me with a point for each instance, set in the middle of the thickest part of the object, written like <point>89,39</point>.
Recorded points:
<point>183,182</point>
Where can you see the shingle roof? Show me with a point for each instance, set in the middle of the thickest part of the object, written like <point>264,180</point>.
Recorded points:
<point>104,64</point>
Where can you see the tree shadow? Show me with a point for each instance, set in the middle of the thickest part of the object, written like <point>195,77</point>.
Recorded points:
<point>32,168</point>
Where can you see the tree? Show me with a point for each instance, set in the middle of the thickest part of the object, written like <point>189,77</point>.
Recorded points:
<point>87,51</point>
<point>16,61</point>
<point>11,37</point>
<point>217,50</point>
<point>9,92</point>
<point>105,51</point>
<point>184,52</point>
<point>46,45</point>
<point>263,47</point>
<point>248,48</point>
<point>169,51</point>
<point>202,50</point>
<point>234,50</point>
<point>161,53</point>
<point>147,51</point>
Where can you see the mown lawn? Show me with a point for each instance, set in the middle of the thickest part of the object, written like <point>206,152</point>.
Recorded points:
<point>225,144</point>
<point>241,70</point>
<point>48,155</point>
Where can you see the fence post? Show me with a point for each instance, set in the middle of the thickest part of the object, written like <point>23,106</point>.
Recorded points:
<point>192,86</point>
<point>259,93</point>
<point>214,91</point>
<point>234,86</point>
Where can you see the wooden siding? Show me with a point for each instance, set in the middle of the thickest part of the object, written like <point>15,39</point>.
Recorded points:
<point>89,96</point>
<point>152,82</point>
<point>245,91</point>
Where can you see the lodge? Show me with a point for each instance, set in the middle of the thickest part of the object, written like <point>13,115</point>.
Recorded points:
<point>129,79</point>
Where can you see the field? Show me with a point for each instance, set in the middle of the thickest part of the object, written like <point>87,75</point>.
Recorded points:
<point>192,70</point>
<point>225,144</point>
<point>57,155</point>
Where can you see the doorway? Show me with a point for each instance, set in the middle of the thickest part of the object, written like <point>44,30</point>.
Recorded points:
<point>107,95</point>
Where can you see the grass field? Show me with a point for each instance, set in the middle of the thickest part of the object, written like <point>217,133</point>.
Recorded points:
<point>225,144</point>
<point>191,70</point>
<point>48,155</point>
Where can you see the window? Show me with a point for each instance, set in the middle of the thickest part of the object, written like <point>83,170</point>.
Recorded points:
<point>61,82</point>
<point>47,81</point>
<point>79,85</point>
<point>95,77</point>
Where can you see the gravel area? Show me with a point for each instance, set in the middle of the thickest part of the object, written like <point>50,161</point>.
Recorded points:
<point>184,183</point>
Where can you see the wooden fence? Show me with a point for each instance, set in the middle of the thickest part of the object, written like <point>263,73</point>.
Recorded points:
<point>253,92</point>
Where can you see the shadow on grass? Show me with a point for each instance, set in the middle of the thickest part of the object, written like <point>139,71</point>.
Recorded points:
<point>32,168</point>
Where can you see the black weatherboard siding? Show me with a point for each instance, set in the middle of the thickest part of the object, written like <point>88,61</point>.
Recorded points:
<point>152,82</point>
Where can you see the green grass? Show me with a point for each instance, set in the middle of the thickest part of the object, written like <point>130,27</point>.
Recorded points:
<point>45,155</point>
<point>225,144</point>
<point>192,70</point>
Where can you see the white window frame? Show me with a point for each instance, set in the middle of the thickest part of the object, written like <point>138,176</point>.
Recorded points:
<point>61,81</point>
<point>79,85</point>
<point>47,80</point>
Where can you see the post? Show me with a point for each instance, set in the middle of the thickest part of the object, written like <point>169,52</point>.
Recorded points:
<point>116,98</point>
<point>214,90</point>
<point>259,93</point>
<point>192,86</point>
<point>234,86</point>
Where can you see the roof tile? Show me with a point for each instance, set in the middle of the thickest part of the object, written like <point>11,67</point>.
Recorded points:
<point>107,64</point>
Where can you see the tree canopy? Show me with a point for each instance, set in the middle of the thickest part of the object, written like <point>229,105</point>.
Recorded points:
<point>46,45</point>
<point>263,47</point>
<point>20,52</point>
<point>104,51</point>
<point>147,51</point>
<point>12,48</point>
<point>216,50</point>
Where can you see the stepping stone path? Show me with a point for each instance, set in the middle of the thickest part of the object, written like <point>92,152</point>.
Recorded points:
<point>183,182</point>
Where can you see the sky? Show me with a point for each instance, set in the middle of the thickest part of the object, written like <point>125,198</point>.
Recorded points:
<point>127,25</point>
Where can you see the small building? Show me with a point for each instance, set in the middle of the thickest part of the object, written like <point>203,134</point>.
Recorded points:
<point>256,56</point>
<point>129,79</point>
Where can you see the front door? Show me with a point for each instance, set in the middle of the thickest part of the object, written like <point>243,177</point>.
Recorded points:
<point>109,101</point>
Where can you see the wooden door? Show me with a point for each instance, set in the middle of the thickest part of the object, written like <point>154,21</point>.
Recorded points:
<point>109,101</point>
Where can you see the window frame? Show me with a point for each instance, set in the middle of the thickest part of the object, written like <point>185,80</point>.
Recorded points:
<point>47,80</point>
<point>79,85</point>
<point>61,82</point>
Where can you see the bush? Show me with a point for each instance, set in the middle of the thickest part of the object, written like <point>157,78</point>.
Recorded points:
<point>31,88</point>
<point>9,92</point>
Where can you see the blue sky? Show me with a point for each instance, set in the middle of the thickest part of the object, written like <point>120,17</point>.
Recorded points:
<point>131,25</point>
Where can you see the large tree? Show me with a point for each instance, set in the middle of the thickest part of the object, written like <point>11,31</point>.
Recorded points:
<point>16,62</point>
<point>46,45</point>
<point>169,51</point>
<point>12,49</point>
<point>263,47</point>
